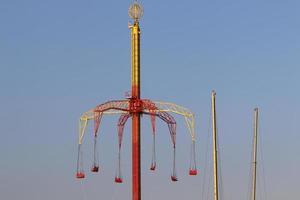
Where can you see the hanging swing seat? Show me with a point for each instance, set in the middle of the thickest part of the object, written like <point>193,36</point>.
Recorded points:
<point>152,168</point>
<point>95,169</point>
<point>80,175</point>
<point>174,178</point>
<point>193,172</point>
<point>118,180</point>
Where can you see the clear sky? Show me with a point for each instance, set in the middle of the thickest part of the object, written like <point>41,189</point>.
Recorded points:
<point>60,58</point>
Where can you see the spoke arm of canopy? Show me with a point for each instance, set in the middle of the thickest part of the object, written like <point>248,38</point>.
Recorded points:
<point>108,108</point>
<point>186,113</point>
<point>122,106</point>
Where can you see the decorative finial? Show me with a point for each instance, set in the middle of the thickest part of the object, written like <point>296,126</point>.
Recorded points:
<point>136,11</point>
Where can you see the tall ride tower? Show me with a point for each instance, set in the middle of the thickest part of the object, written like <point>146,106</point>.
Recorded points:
<point>135,12</point>
<point>134,107</point>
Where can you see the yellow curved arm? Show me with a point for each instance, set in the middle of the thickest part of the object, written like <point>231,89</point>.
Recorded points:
<point>174,108</point>
<point>89,115</point>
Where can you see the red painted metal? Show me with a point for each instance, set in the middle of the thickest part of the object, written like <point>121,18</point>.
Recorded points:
<point>118,180</point>
<point>193,172</point>
<point>136,157</point>
<point>80,175</point>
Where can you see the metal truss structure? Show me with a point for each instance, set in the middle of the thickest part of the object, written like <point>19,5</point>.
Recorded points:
<point>125,108</point>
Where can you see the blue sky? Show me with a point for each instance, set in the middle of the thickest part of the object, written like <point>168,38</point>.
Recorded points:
<point>61,58</point>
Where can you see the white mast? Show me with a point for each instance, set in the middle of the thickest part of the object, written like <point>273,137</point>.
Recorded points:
<point>254,162</point>
<point>215,153</point>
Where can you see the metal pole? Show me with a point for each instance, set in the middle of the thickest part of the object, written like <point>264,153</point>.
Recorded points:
<point>215,153</point>
<point>254,163</point>
<point>135,92</point>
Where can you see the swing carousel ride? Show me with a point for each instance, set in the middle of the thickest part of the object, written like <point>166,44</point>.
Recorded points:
<point>134,107</point>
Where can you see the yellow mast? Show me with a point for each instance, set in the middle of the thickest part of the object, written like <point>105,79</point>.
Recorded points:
<point>254,163</point>
<point>135,59</point>
<point>215,153</point>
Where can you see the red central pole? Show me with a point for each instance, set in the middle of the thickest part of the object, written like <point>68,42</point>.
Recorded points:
<point>135,110</point>
<point>136,158</point>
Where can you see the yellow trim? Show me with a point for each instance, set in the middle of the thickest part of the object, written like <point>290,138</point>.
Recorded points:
<point>82,127</point>
<point>135,55</point>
